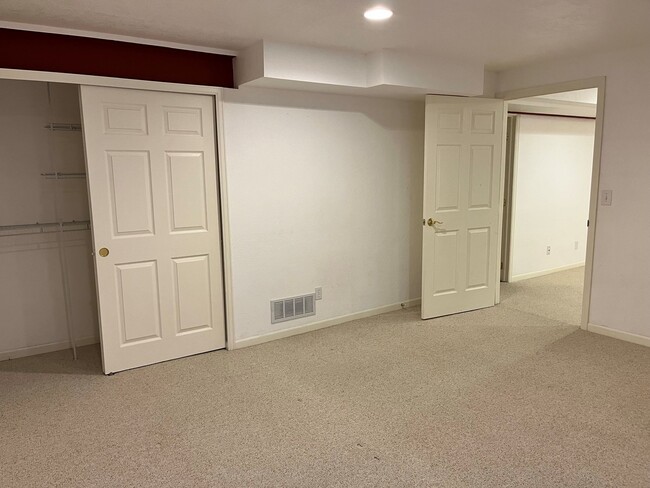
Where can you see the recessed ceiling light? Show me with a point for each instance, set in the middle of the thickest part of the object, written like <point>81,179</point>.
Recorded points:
<point>378,13</point>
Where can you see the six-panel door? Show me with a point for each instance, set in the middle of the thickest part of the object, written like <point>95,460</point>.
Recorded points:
<point>153,195</point>
<point>463,151</point>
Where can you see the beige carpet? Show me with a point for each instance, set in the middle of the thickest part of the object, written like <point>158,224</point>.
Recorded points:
<point>493,398</point>
<point>556,296</point>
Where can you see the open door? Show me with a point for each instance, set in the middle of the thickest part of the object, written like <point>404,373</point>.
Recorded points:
<point>156,236</point>
<point>462,182</point>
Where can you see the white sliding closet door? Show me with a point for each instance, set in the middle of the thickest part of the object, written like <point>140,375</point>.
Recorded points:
<point>462,178</point>
<point>156,234</point>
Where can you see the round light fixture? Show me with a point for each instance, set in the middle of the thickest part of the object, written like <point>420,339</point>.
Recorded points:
<point>378,13</point>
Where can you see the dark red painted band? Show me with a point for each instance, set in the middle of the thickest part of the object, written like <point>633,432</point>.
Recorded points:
<point>41,51</point>
<point>552,115</point>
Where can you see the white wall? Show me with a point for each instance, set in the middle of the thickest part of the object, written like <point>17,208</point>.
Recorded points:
<point>621,276</point>
<point>323,190</point>
<point>588,95</point>
<point>31,292</point>
<point>552,176</point>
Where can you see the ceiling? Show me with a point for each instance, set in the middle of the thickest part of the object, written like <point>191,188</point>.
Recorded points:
<point>498,33</point>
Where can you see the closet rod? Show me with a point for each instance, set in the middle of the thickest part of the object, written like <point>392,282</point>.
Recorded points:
<point>62,176</point>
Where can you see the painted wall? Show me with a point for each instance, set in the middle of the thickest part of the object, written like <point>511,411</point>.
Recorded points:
<point>621,275</point>
<point>31,291</point>
<point>323,190</point>
<point>552,177</point>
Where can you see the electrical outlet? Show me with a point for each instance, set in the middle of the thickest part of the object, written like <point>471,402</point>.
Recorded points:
<point>548,250</point>
<point>319,293</point>
<point>575,245</point>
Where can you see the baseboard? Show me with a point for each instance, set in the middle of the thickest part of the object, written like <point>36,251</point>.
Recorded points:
<point>545,272</point>
<point>43,348</point>
<point>301,329</point>
<point>619,334</point>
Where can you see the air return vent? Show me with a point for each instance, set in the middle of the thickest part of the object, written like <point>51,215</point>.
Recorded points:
<point>292,308</point>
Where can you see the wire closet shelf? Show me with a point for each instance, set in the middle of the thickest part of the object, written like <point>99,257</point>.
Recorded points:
<point>43,228</point>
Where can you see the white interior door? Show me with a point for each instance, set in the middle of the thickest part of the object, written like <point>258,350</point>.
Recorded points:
<point>462,182</point>
<point>153,196</point>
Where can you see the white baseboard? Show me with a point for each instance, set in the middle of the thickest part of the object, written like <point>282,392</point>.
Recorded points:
<point>301,329</point>
<point>43,348</point>
<point>619,334</point>
<point>545,272</point>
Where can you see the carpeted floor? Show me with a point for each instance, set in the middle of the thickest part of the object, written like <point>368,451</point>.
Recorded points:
<point>557,296</point>
<point>492,398</point>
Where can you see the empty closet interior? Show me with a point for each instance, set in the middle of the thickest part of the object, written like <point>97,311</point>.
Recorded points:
<point>47,289</point>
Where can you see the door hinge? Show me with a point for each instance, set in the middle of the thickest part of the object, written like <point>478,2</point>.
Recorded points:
<point>587,223</point>
<point>501,264</point>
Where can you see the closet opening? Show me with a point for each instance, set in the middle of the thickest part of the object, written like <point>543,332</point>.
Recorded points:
<point>47,290</point>
<point>146,276</point>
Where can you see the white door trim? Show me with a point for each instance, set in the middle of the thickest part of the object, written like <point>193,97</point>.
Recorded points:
<point>91,80</point>
<point>225,220</point>
<point>217,93</point>
<point>509,194</point>
<point>597,82</point>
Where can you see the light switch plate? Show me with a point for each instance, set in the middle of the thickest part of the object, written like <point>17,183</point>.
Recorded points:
<point>606,197</point>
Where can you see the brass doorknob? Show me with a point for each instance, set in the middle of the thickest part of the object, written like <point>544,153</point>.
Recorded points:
<point>103,252</point>
<point>432,222</point>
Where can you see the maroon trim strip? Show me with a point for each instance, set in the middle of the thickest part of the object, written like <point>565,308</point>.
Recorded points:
<point>537,114</point>
<point>40,51</point>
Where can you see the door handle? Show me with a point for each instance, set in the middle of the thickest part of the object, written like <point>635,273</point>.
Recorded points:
<point>432,222</point>
<point>103,252</point>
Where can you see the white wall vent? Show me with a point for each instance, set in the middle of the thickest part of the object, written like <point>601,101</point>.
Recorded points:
<point>292,308</point>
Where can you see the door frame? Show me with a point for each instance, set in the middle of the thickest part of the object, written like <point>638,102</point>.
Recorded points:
<point>599,83</point>
<point>508,194</point>
<point>222,187</point>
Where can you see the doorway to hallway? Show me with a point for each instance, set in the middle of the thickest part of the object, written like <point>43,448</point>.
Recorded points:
<point>548,184</point>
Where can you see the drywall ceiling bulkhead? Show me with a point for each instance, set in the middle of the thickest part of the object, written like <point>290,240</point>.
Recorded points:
<point>385,72</point>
